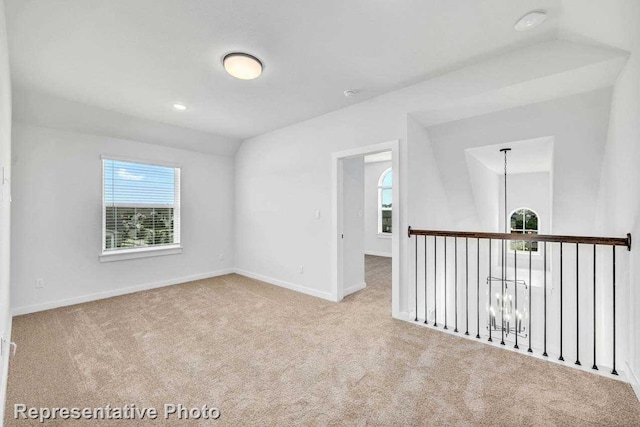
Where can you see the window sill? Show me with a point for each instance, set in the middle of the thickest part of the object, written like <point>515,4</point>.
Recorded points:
<point>139,253</point>
<point>385,235</point>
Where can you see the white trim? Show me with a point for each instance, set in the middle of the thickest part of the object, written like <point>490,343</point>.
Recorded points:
<point>286,285</point>
<point>376,253</point>
<point>139,205</point>
<point>177,209</point>
<point>355,288</point>
<point>103,224</point>
<point>633,380</point>
<point>337,291</point>
<point>139,160</point>
<point>405,315</point>
<point>384,235</point>
<point>143,252</point>
<point>409,317</point>
<point>179,280</point>
<point>5,371</point>
<point>116,292</point>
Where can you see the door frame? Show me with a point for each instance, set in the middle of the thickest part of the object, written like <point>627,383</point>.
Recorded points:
<point>337,285</point>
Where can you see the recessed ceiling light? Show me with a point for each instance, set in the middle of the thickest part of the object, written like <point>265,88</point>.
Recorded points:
<point>242,65</point>
<point>179,107</point>
<point>350,93</point>
<point>531,20</point>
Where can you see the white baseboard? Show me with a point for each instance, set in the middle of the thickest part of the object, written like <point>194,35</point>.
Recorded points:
<point>355,288</point>
<point>129,290</point>
<point>287,285</point>
<point>409,316</point>
<point>376,253</point>
<point>115,292</point>
<point>404,315</point>
<point>633,379</point>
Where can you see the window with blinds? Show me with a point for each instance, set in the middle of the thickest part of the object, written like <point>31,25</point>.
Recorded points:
<point>140,206</point>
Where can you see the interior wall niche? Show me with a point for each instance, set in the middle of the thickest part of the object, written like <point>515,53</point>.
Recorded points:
<point>529,185</point>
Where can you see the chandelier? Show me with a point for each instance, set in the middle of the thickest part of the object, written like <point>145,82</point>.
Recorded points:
<point>507,309</point>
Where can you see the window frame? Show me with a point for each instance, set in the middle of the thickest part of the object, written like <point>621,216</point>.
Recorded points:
<point>379,208</point>
<point>144,251</point>
<point>510,250</point>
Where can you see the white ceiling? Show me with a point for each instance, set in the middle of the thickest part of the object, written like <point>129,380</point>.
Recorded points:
<point>139,57</point>
<point>532,155</point>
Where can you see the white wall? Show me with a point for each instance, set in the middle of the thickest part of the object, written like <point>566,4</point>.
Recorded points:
<point>56,232</point>
<point>46,110</point>
<point>531,190</point>
<point>282,179</point>
<point>485,187</point>
<point>579,125</point>
<point>284,176</point>
<point>374,244</point>
<point>428,208</point>
<point>619,198</point>
<point>5,208</point>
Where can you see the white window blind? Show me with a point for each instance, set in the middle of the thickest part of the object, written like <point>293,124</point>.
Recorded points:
<point>141,206</point>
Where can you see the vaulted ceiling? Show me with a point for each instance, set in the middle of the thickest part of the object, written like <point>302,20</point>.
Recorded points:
<point>139,57</point>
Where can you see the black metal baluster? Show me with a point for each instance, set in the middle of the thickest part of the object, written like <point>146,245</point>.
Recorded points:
<point>613,371</point>
<point>425,281</point>
<point>435,281</point>
<point>455,283</point>
<point>578,304</point>
<point>530,299</point>
<point>515,285</point>
<point>595,366</point>
<point>545,299</point>
<point>416,319</point>
<point>478,290</point>
<point>504,275</point>
<point>445,283</point>
<point>504,300</point>
<point>490,295</point>
<point>466,297</point>
<point>561,275</point>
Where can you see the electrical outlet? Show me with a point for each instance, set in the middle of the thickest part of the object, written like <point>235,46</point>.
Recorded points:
<point>317,214</point>
<point>301,269</point>
<point>221,257</point>
<point>39,283</point>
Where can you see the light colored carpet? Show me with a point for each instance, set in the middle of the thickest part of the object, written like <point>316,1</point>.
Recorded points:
<point>268,356</point>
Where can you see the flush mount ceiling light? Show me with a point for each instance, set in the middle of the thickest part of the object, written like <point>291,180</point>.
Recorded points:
<point>179,107</point>
<point>350,93</point>
<point>242,65</point>
<point>531,20</point>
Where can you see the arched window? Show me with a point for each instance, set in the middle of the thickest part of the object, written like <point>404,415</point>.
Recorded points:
<point>524,221</point>
<point>385,198</point>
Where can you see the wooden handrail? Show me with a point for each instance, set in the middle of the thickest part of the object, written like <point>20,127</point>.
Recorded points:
<point>609,241</point>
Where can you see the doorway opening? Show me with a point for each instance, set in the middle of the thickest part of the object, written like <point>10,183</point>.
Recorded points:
<point>366,221</point>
